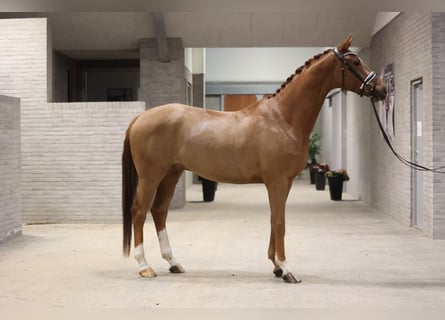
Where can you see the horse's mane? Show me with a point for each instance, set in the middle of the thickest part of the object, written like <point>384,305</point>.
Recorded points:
<point>298,71</point>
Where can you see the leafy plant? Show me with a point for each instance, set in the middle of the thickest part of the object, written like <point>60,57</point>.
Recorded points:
<point>314,147</point>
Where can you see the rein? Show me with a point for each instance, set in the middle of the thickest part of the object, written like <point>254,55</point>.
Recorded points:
<point>366,83</point>
<point>410,164</point>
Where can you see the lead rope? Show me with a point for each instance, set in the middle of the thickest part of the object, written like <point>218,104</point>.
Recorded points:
<point>410,164</point>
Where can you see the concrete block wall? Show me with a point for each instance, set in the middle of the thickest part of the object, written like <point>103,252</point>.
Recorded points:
<point>438,105</point>
<point>162,83</point>
<point>23,69</point>
<point>23,60</point>
<point>198,90</point>
<point>72,172</point>
<point>406,43</point>
<point>71,153</point>
<point>10,172</point>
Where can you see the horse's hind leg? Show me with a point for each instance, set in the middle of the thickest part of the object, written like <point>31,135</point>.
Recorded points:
<point>159,211</point>
<point>143,199</point>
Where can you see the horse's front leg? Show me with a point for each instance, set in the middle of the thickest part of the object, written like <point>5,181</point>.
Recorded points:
<point>278,192</point>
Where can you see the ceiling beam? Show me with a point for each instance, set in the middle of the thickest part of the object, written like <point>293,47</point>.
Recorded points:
<point>161,36</point>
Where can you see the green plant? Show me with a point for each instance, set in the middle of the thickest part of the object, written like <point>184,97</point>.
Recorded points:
<point>314,147</point>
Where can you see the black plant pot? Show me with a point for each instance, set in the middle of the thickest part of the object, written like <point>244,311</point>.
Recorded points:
<point>320,180</point>
<point>335,187</point>
<point>208,189</point>
<point>312,175</point>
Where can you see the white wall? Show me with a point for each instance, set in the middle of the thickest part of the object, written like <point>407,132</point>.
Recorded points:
<point>70,152</point>
<point>358,158</point>
<point>194,60</point>
<point>255,64</point>
<point>345,144</point>
<point>333,132</point>
<point>10,173</point>
<point>73,168</point>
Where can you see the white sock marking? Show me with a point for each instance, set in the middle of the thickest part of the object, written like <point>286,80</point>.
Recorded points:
<point>166,250</point>
<point>283,266</point>
<point>139,255</point>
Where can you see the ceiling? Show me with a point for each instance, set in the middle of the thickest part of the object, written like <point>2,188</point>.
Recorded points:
<point>87,35</point>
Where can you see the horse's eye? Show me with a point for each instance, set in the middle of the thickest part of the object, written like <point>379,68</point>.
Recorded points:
<point>356,62</point>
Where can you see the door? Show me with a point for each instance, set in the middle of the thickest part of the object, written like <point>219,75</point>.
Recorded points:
<point>234,102</point>
<point>417,153</point>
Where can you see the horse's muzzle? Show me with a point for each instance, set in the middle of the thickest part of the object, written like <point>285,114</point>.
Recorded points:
<point>379,93</point>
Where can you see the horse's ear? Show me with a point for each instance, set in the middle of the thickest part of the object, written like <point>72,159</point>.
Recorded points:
<point>344,46</point>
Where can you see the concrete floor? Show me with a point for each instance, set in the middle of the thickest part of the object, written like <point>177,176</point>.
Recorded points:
<point>346,253</point>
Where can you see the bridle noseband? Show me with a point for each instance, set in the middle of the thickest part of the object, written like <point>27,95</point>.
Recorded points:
<point>366,86</point>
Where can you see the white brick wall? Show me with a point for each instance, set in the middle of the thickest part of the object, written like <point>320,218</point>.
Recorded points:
<point>23,60</point>
<point>10,196</point>
<point>405,42</point>
<point>23,65</point>
<point>70,152</point>
<point>438,26</point>
<point>72,171</point>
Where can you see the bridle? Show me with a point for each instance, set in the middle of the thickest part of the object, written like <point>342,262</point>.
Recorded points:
<point>369,88</point>
<point>366,86</point>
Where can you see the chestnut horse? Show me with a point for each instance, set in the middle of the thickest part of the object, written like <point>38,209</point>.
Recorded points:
<point>265,142</point>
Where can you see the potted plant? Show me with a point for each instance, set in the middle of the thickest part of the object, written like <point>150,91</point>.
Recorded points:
<point>314,151</point>
<point>335,180</point>
<point>320,176</point>
<point>208,189</point>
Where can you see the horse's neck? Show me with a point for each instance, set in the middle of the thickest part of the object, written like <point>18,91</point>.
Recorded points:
<point>302,101</point>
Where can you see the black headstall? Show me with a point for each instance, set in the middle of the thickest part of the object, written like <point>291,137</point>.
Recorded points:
<point>366,86</point>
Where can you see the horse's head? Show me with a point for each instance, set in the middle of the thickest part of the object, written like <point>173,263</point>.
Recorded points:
<point>356,75</point>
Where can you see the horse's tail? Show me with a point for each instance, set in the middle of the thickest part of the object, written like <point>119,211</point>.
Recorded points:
<point>129,185</point>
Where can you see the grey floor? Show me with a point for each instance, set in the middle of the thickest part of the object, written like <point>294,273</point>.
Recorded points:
<point>346,253</point>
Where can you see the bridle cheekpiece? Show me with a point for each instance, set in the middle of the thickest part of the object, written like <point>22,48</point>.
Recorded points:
<point>366,86</point>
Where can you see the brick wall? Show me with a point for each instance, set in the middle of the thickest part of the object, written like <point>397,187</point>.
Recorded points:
<point>72,171</point>
<point>161,83</point>
<point>198,90</point>
<point>10,193</point>
<point>438,54</point>
<point>71,153</point>
<point>23,68</point>
<point>405,42</point>
<point>23,60</point>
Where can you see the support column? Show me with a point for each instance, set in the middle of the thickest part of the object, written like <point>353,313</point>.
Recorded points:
<point>162,83</point>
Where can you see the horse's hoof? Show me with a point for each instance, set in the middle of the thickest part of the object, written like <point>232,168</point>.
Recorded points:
<point>289,278</point>
<point>278,272</point>
<point>147,273</point>
<point>177,269</point>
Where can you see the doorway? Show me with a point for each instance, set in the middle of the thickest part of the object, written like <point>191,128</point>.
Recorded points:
<point>417,120</point>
